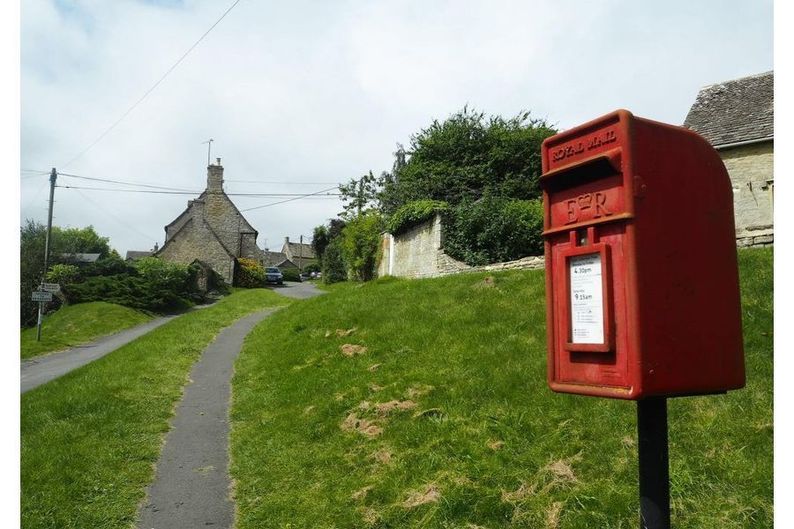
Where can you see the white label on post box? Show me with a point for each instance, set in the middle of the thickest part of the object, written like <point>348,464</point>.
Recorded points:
<point>587,307</point>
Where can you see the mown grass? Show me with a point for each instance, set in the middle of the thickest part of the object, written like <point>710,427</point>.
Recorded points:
<point>90,438</point>
<point>487,443</point>
<point>78,324</point>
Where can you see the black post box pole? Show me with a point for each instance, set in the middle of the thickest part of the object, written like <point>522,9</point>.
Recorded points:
<point>654,463</point>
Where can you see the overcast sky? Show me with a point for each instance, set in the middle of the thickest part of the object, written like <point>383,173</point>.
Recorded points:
<point>315,93</point>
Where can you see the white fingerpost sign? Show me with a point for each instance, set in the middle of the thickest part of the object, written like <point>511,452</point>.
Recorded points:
<point>587,305</point>
<point>40,295</point>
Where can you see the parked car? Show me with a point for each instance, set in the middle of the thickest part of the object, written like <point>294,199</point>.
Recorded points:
<point>304,276</point>
<point>274,275</point>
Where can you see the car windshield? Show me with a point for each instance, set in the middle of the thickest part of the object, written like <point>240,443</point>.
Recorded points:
<point>272,270</point>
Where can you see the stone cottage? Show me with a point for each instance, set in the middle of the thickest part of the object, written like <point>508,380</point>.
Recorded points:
<point>211,230</point>
<point>300,253</point>
<point>737,118</point>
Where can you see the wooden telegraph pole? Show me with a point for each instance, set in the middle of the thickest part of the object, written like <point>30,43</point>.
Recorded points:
<point>53,178</point>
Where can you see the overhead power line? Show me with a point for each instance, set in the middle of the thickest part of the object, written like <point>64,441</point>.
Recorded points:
<point>161,192</point>
<point>122,182</point>
<point>288,200</point>
<point>154,86</point>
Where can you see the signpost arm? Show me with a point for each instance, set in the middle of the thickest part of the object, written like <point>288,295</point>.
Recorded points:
<point>53,178</point>
<point>654,463</point>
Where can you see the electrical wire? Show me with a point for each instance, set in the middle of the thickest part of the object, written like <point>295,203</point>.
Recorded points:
<point>150,90</point>
<point>159,192</point>
<point>118,221</point>
<point>150,186</point>
<point>288,200</point>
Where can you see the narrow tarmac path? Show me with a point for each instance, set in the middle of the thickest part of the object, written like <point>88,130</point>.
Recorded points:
<point>36,371</point>
<point>191,484</point>
<point>191,488</point>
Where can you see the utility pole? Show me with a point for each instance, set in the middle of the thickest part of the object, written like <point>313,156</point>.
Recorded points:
<point>300,255</point>
<point>53,178</point>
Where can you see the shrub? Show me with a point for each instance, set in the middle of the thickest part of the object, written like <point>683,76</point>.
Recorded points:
<point>290,274</point>
<point>63,274</point>
<point>360,244</point>
<point>310,268</point>
<point>413,213</point>
<point>494,229</point>
<point>249,274</point>
<point>333,268</point>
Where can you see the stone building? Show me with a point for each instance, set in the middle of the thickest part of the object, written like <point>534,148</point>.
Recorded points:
<point>299,253</point>
<point>737,118</point>
<point>211,230</point>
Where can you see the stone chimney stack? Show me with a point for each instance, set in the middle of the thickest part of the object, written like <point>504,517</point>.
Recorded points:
<point>215,178</point>
<point>286,240</point>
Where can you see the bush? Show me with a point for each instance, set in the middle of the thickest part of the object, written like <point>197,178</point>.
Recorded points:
<point>360,245</point>
<point>131,291</point>
<point>311,268</point>
<point>249,274</point>
<point>291,274</point>
<point>414,213</point>
<point>150,284</point>
<point>333,268</point>
<point>63,274</point>
<point>494,229</point>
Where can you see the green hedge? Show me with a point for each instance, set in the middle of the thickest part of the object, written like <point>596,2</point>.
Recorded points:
<point>493,229</point>
<point>290,274</point>
<point>414,213</point>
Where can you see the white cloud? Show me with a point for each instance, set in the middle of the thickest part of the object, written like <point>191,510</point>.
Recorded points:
<point>322,91</point>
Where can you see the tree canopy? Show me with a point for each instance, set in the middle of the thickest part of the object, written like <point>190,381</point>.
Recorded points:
<point>466,157</point>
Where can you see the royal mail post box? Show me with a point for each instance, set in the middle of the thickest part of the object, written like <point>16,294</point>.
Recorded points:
<point>641,276</point>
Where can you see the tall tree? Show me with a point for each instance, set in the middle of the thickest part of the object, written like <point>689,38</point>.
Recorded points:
<point>465,157</point>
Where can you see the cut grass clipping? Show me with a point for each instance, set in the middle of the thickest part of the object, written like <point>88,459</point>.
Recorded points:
<point>424,404</point>
<point>90,438</point>
<point>78,324</point>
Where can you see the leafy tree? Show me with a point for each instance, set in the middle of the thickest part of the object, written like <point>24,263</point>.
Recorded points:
<point>320,240</point>
<point>360,244</point>
<point>334,269</point>
<point>31,260</point>
<point>78,240</point>
<point>360,195</point>
<point>465,157</point>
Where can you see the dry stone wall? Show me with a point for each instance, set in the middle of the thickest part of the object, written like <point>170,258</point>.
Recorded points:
<point>751,168</point>
<point>419,253</point>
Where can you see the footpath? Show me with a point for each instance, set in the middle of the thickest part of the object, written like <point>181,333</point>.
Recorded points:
<point>192,485</point>
<point>36,371</point>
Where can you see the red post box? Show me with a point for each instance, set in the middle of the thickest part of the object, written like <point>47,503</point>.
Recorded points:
<point>642,284</point>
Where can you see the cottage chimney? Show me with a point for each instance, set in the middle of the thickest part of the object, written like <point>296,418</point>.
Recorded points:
<point>215,178</point>
<point>286,240</point>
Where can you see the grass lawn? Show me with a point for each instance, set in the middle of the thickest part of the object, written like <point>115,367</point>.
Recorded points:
<point>90,438</point>
<point>445,420</point>
<point>78,324</point>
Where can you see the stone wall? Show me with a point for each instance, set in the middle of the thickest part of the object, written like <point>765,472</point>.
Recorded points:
<point>752,177</point>
<point>419,253</point>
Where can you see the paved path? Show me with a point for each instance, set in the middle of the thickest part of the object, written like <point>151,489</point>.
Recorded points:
<point>37,371</point>
<point>191,486</point>
<point>297,290</point>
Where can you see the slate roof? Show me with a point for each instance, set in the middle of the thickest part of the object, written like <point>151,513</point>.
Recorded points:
<point>274,258</point>
<point>295,250</point>
<point>734,111</point>
<point>134,255</point>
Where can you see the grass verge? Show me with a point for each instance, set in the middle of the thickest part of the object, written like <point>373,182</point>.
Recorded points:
<point>445,418</point>
<point>78,324</point>
<point>90,438</point>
